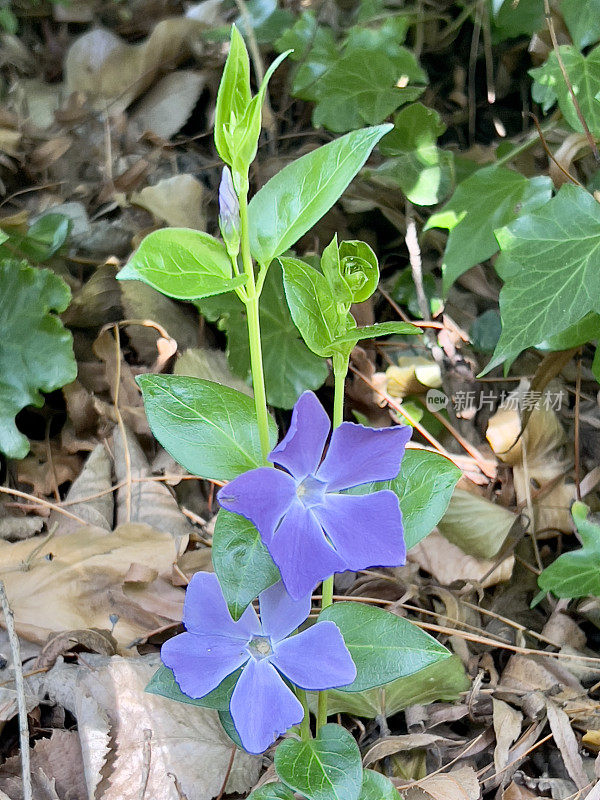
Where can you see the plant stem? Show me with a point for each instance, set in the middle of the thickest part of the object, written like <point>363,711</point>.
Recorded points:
<point>305,724</point>
<point>340,370</point>
<point>251,303</point>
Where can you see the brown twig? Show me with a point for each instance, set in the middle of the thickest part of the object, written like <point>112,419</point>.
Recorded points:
<point>39,501</point>
<point>227,774</point>
<point>549,152</point>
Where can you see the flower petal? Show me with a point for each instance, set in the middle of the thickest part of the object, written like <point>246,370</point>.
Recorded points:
<point>261,495</point>
<point>301,449</point>
<point>200,663</point>
<point>279,613</point>
<point>315,659</point>
<point>205,610</point>
<point>302,553</point>
<point>358,454</point>
<point>262,706</point>
<point>366,530</point>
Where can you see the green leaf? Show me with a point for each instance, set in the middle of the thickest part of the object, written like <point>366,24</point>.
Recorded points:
<point>314,47</point>
<point>234,95</point>
<point>208,428</point>
<point>377,787</point>
<point>558,250</point>
<point>45,237</point>
<point>485,331</point>
<point>326,768</point>
<point>583,21</point>
<point>586,330</point>
<point>379,329</point>
<point>183,264</point>
<point>272,791</point>
<point>415,163</point>
<point>312,305</point>
<point>424,487</point>
<point>488,199</point>
<point>444,680</point>
<point>512,19</point>
<point>164,684</point>
<point>384,647</point>
<point>584,74</point>
<point>360,268</point>
<point>37,351</point>
<point>576,574</point>
<point>369,81</point>
<point>290,367</point>
<point>241,561</point>
<point>296,198</point>
<point>226,721</point>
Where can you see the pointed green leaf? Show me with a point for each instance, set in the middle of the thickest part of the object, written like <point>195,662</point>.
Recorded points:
<point>325,768</point>
<point>491,197</point>
<point>37,351</point>
<point>557,248</point>
<point>183,264</point>
<point>583,21</point>
<point>234,94</point>
<point>377,787</point>
<point>272,791</point>
<point>379,329</point>
<point>208,428</point>
<point>296,198</point>
<point>384,647</point>
<point>241,561</point>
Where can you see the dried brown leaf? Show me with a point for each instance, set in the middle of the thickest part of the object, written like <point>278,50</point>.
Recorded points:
<point>166,107</point>
<point>459,784</point>
<point>507,727</point>
<point>177,201</point>
<point>567,743</point>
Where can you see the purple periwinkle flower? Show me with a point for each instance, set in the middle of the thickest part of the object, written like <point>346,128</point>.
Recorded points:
<point>229,207</point>
<point>262,705</point>
<point>309,526</point>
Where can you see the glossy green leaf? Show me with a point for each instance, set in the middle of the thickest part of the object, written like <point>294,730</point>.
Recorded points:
<point>164,684</point>
<point>234,95</point>
<point>296,198</point>
<point>37,351</point>
<point>379,329</point>
<point>583,21</point>
<point>326,768</point>
<point>312,305</point>
<point>377,787</point>
<point>183,264</point>
<point>584,74</point>
<point>290,367</point>
<point>512,19</point>
<point>424,487</point>
<point>45,237</point>
<point>241,561</point>
<point>208,428</point>
<point>313,47</point>
<point>372,77</point>
<point>272,791</point>
<point>360,267</point>
<point>485,331</point>
<point>415,163</point>
<point>226,721</point>
<point>558,250</point>
<point>443,680</point>
<point>586,330</point>
<point>488,199</point>
<point>576,574</point>
<point>383,646</point>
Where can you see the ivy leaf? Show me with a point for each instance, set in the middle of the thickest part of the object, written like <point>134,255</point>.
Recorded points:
<point>241,561</point>
<point>296,198</point>
<point>313,47</point>
<point>182,263</point>
<point>208,428</point>
<point>325,768</point>
<point>521,19</point>
<point>416,164</point>
<point>584,74</point>
<point>487,200</point>
<point>37,351</point>
<point>576,574</point>
<point>290,367</point>
<point>583,21</point>
<point>384,647</point>
<point>372,78</point>
<point>558,250</point>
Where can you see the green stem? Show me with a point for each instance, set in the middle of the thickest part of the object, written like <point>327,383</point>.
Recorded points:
<point>305,724</point>
<point>251,303</point>
<point>340,370</point>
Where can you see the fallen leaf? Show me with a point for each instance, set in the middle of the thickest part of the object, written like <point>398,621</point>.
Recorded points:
<point>177,200</point>
<point>166,107</point>
<point>108,700</point>
<point>94,479</point>
<point>459,784</point>
<point>476,525</point>
<point>208,364</point>
<point>447,563</point>
<point>507,727</point>
<point>567,743</point>
<point>397,744</point>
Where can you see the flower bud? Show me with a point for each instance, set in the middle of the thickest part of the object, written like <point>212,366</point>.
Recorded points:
<point>229,213</point>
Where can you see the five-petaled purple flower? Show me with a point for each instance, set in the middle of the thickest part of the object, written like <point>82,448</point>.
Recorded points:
<point>262,705</point>
<point>309,526</point>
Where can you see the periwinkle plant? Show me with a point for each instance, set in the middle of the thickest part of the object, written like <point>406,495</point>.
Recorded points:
<point>293,513</point>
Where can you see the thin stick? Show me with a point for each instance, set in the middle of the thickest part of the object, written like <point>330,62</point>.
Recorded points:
<point>227,774</point>
<point>41,502</point>
<point>121,425</point>
<point>20,687</point>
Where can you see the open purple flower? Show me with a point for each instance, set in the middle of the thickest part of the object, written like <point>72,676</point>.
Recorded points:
<point>310,528</point>
<point>262,705</point>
